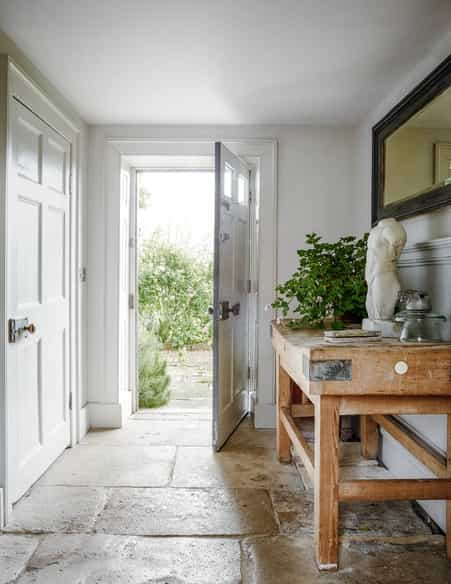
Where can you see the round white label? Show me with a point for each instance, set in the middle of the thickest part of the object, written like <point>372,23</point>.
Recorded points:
<point>401,367</point>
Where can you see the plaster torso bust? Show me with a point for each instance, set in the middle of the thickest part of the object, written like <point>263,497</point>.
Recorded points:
<point>385,244</point>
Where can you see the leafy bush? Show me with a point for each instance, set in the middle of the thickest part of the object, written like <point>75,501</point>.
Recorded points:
<point>175,291</point>
<point>329,282</point>
<point>153,379</point>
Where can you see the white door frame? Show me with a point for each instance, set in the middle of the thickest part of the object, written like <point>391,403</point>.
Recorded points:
<point>111,151</point>
<point>133,335</point>
<point>133,283</point>
<point>18,86</point>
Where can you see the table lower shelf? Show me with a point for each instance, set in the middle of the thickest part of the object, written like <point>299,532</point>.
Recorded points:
<point>388,489</point>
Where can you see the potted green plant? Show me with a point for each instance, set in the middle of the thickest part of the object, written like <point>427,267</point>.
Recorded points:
<point>329,283</point>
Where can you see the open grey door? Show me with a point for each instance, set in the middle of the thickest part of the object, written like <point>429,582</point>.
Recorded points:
<point>231,342</point>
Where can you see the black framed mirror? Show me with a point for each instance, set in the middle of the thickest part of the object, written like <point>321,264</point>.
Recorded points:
<point>412,151</point>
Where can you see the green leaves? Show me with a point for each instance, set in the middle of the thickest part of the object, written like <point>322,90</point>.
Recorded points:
<point>312,238</point>
<point>329,281</point>
<point>152,370</point>
<point>175,291</point>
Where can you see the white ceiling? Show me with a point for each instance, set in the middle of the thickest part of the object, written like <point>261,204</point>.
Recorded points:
<point>217,62</point>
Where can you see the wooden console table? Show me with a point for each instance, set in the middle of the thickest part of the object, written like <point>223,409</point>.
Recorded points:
<point>375,381</point>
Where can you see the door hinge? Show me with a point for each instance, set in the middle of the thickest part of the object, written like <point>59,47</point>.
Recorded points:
<point>70,401</point>
<point>249,371</point>
<point>249,286</point>
<point>82,274</point>
<point>131,242</point>
<point>131,301</point>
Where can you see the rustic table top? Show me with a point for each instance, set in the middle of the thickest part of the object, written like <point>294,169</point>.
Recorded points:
<point>368,368</point>
<point>314,339</point>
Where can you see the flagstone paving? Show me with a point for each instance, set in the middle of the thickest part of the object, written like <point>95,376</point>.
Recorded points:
<point>152,503</point>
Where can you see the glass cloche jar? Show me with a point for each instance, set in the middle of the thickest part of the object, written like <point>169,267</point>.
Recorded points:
<point>419,324</point>
<point>420,327</point>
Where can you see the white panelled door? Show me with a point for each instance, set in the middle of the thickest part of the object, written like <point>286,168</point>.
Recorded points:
<point>231,342</point>
<point>38,290</point>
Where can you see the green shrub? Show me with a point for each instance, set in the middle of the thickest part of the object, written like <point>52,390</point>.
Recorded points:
<point>329,282</point>
<point>175,291</point>
<point>153,378</point>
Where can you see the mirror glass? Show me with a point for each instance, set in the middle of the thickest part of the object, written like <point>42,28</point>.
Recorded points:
<point>417,156</point>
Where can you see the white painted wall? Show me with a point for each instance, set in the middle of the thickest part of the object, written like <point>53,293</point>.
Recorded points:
<point>316,186</point>
<point>423,228</point>
<point>315,181</point>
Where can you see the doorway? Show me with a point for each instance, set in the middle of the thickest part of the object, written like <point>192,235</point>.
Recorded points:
<point>194,260</point>
<point>259,156</point>
<point>174,287</point>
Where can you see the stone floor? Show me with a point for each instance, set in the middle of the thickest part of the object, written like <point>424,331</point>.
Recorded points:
<point>152,503</point>
<point>191,374</point>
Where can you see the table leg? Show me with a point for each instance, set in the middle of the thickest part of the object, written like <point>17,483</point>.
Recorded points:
<point>448,502</point>
<point>326,482</point>
<point>283,401</point>
<point>369,437</point>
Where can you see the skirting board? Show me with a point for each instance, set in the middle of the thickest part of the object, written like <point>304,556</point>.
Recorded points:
<point>84,424</point>
<point>126,402</point>
<point>105,415</point>
<point>265,415</point>
<point>252,402</point>
<point>112,415</point>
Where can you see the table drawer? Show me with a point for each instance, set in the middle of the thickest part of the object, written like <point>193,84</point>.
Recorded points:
<point>410,371</point>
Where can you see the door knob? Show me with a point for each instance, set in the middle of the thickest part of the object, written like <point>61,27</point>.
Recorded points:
<point>31,328</point>
<point>18,327</point>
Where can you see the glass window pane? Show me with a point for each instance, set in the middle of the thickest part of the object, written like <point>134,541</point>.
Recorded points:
<point>242,183</point>
<point>228,175</point>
